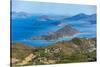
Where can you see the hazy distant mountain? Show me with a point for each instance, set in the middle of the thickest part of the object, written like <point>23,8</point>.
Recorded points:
<point>77,17</point>
<point>20,15</point>
<point>44,18</point>
<point>40,17</point>
<point>91,18</point>
<point>83,17</point>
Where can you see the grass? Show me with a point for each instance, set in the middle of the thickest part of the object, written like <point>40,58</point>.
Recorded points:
<point>68,52</point>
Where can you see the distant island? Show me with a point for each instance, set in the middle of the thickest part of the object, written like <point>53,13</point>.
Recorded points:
<point>65,31</point>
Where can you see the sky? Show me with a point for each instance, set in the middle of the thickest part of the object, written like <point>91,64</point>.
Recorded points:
<point>51,8</point>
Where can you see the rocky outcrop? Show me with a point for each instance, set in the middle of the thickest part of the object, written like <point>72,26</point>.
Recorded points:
<point>27,59</point>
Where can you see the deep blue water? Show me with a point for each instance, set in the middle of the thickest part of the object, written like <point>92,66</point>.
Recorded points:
<point>25,28</point>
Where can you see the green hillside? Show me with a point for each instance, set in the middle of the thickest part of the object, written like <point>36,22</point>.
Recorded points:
<point>76,50</point>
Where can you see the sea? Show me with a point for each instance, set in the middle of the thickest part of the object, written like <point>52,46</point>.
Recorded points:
<point>24,28</point>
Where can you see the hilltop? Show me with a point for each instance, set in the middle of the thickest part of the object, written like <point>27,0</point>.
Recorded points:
<point>76,50</point>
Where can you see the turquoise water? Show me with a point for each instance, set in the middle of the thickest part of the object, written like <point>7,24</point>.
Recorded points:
<point>25,28</point>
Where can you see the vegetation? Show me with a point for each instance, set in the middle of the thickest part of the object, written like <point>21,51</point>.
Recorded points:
<point>61,52</point>
<point>20,51</point>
